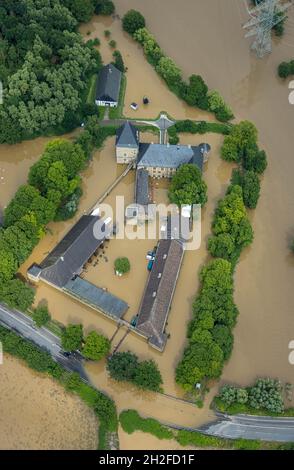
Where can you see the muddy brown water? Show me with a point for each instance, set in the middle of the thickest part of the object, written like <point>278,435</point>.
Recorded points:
<point>36,412</point>
<point>202,37</point>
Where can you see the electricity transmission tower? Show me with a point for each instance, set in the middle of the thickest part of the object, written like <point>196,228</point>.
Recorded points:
<point>264,16</point>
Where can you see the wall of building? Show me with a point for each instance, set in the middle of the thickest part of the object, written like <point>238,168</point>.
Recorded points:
<point>112,104</point>
<point>126,154</point>
<point>159,172</point>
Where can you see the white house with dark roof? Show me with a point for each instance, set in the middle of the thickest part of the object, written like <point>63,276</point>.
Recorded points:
<point>108,86</point>
<point>127,143</point>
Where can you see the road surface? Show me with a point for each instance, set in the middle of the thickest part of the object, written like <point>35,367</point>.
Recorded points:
<point>25,327</point>
<point>262,428</point>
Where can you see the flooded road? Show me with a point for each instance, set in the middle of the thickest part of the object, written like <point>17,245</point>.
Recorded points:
<point>36,412</point>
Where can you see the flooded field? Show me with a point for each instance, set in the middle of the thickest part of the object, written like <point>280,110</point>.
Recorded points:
<point>142,80</point>
<point>36,413</point>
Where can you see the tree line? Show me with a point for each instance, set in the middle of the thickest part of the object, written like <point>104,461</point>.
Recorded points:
<point>45,65</point>
<point>209,334</point>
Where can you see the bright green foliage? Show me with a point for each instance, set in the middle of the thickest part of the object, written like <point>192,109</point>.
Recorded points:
<point>249,181</point>
<point>122,265</point>
<point>41,315</point>
<point>131,421</point>
<point>72,337</point>
<point>243,135</point>
<point>196,92</point>
<point>17,294</point>
<point>151,47</point>
<point>266,395</point>
<point>219,107</point>
<point>169,71</point>
<point>96,346</point>
<point>28,200</point>
<point>125,366</point>
<point>231,227</point>
<point>132,21</point>
<point>209,333</point>
<point>187,186</point>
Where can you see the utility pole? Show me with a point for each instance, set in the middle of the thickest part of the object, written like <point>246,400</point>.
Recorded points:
<point>264,16</point>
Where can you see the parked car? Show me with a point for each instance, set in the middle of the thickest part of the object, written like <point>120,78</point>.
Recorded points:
<point>134,106</point>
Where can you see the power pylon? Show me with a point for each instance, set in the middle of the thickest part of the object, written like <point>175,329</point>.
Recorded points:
<point>264,16</point>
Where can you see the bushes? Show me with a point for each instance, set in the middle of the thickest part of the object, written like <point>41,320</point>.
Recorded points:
<point>125,366</point>
<point>187,186</point>
<point>265,395</point>
<point>96,346</point>
<point>250,184</point>
<point>286,68</point>
<point>104,7</point>
<point>231,227</point>
<point>17,294</point>
<point>72,337</point>
<point>209,333</point>
<point>131,421</point>
<point>41,315</point>
<point>118,61</point>
<point>217,104</point>
<point>201,127</point>
<point>132,21</point>
<point>122,266</point>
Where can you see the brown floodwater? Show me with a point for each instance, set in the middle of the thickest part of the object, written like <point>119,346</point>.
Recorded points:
<point>203,37</point>
<point>36,412</point>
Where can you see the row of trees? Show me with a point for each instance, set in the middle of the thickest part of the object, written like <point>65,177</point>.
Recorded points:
<point>231,227</point>
<point>241,146</point>
<point>126,367</point>
<point>46,67</point>
<point>195,92</point>
<point>83,10</point>
<point>266,394</point>
<point>201,127</point>
<point>51,193</point>
<point>210,331</point>
<point>94,346</point>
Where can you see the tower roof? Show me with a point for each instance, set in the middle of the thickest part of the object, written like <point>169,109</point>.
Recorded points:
<point>127,136</point>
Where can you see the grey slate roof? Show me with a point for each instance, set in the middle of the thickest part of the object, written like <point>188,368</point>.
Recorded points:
<point>169,156</point>
<point>72,252</point>
<point>96,297</point>
<point>162,281</point>
<point>127,136</point>
<point>142,187</point>
<point>108,83</point>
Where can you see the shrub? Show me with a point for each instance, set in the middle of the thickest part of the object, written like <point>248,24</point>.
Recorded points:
<point>17,294</point>
<point>187,186</point>
<point>267,394</point>
<point>96,346</point>
<point>112,44</point>
<point>72,337</point>
<point>118,61</point>
<point>41,315</point>
<point>132,21</point>
<point>107,33</point>
<point>104,7</point>
<point>122,265</point>
<point>125,366</point>
<point>131,421</point>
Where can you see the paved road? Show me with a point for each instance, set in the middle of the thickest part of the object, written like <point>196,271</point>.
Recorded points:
<point>25,327</point>
<point>262,428</point>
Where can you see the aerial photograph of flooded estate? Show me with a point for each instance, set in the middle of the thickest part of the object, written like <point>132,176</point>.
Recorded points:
<point>146,230</point>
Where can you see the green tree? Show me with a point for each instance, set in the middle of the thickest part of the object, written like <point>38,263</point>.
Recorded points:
<point>148,376</point>
<point>132,21</point>
<point>251,189</point>
<point>104,7</point>
<point>72,337</point>
<point>122,366</point>
<point>96,346</point>
<point>196,93</point>
<point>118,61</point>
<point>82,10</point>
<point>254,159</point>
<point>17,294</point>
<point>169,71</point>
<point>187,186</point>
<point>41,315</point>
<point>122,265</point>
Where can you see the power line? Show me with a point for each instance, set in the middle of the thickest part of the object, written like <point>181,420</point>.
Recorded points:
<point>263,17</point>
